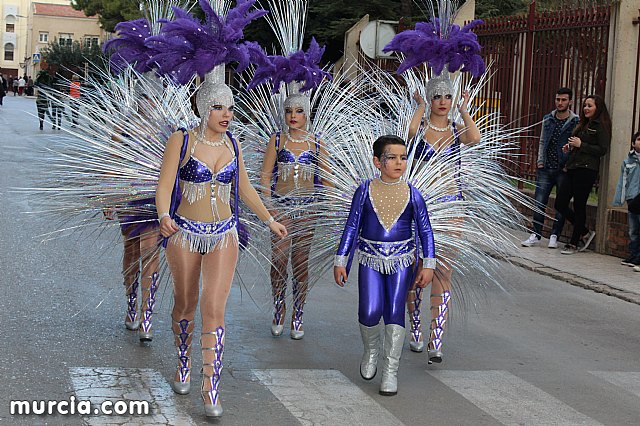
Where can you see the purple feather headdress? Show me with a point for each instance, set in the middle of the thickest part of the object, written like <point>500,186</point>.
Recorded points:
<point>186,47</point>
<point>457,50</point>
<point>129,47</point>
<point>300,66</point>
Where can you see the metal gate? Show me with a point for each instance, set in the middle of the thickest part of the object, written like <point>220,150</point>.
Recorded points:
<point>534,55</point>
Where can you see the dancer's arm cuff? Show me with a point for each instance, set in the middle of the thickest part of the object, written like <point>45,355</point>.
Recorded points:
<point>428,263</point>
<point>340,261</point>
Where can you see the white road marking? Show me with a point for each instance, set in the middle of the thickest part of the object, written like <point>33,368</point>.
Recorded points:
<point>128,384</point>
<point>324,397</point>
<point>629,381</point>
<point>511,400</point>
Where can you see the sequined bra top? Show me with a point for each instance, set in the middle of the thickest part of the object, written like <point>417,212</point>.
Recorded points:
<point>301,166</point>
<point>424,150</point>
<point>195,176</point>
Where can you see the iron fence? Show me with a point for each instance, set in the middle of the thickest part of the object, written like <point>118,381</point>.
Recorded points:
<point>534,55</point>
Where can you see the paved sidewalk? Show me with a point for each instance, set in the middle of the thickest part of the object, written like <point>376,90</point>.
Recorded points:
<point>593,271</point>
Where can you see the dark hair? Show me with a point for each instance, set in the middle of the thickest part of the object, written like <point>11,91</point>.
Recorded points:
<point>565,91</point>
<point>602,115</point>
<point>383,141</point>
<point>634,137</point>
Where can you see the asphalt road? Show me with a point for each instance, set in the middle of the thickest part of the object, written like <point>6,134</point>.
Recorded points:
<point>541,352</point>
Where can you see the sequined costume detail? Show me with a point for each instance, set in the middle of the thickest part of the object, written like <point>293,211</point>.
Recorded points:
<point>294,206</point>
<point>204,237</point>
<point>216,365</point>
<point>303,166</point>
<point>132,303</point>
<point>147,313</point>
<point>416,329</point>
<point>183,351</point>
<point>195,176</point>
<point>298,305</point>
<point>385,255</point>
<point>427,153</point>
<point>437,326</point>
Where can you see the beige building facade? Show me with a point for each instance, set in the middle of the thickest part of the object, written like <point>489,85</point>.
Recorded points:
<point>28,27</point>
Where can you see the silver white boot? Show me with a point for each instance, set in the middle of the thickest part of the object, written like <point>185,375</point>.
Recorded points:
<point>393,342</point>
<point>371,341</point>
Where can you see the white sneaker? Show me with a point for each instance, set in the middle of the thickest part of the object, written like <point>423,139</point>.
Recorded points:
<point>553,242</point>
<point>636,268</point>
<point>533,240</point>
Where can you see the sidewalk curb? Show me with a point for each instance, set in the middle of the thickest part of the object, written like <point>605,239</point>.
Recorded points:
<point>576,280</point>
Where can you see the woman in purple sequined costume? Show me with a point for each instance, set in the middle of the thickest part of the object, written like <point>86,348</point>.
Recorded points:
<point>202,231</point>
<point>291,172</point>
<point>140,234</point>
<point>141,257</point>
<point>441,138</point>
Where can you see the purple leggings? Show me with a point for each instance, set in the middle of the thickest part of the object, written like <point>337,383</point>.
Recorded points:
<point>383,295</point>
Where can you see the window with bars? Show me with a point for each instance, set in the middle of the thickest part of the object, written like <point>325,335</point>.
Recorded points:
<point>90,41</point>
<point>65,39</point>
<point>8,51</point>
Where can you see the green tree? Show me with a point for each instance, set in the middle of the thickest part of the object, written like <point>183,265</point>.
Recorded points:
<point>492,8</point>
<point>67,59</point>
<point>329,20</point>
<point>110,12</point>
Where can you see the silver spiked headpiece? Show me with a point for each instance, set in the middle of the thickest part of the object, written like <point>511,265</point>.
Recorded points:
<point>298,99</point>
<point>213,91</point>
<point>439,85</point>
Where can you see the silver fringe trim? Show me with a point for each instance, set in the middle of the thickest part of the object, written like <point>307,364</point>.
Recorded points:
<point>387,265</point>
<point>224,192</point>
<point>193,191</point>
<point>297,170</point>
<point>201,243</point>
<point>340,261</point>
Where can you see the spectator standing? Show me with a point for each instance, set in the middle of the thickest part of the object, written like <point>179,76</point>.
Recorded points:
<point>42,102</point>
<point>628,190</point>
<point>74,93</point>
<point>21,85</point>
<point>29,90</point>
<point>590,141</point>
<point>15,85</point>
<point>57,105</point>
<point>3,91</point>
<point>557,127</point>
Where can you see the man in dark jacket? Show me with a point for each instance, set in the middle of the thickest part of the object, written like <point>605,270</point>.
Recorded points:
<point>557,126</point>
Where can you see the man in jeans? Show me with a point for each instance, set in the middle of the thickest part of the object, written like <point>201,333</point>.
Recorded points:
<point>557,126</point>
